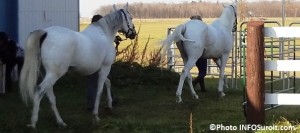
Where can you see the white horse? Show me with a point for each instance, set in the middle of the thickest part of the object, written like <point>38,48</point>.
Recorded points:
<point>212,41</point>
<point>59,49</point>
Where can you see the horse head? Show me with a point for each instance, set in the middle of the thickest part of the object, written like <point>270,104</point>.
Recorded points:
<point>128,28</point>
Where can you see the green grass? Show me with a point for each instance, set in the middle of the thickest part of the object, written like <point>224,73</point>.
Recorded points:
<point>146,105</point>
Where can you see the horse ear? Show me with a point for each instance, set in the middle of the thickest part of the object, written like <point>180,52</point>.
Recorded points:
<point>126,6</point>
<point>115,8</point>
<point>233,3</point>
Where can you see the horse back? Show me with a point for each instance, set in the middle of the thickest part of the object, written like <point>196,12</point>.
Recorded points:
<point>219,42</point>
<point>224,38</point>
<point>85,53</point>
<point>211,41</point>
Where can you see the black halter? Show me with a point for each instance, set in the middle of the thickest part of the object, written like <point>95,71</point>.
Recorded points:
<point>235,22</point>
<point>128,25</point>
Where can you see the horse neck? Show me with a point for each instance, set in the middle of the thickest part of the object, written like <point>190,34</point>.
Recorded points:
<point>226,19</point>
<point>111,23</point>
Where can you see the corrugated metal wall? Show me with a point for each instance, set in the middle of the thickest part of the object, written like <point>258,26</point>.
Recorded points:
<point>39,14</point>
<point>9,18</point>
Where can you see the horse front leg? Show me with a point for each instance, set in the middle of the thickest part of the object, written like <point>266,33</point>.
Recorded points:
<point>103,73</point>
<point>218,63</point>
<point>108,88</point>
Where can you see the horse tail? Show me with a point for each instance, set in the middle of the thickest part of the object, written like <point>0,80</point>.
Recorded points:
<point>32,62</point>
<point>176,36</point>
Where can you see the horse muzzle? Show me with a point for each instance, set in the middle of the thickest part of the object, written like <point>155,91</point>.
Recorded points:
<point>131,34</point>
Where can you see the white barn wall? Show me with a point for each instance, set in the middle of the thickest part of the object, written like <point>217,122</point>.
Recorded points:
<point>39,14</point>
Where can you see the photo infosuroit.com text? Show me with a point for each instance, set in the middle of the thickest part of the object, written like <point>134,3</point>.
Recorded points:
<point>250,127</point>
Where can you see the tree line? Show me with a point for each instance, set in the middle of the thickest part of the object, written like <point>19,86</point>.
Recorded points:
<point>261,8</point>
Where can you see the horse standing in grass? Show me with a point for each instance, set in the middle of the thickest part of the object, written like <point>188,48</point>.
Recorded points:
<point>200,40</point>
<point>58,49</point>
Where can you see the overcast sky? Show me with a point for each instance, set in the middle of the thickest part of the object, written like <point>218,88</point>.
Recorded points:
<point>88,7</point>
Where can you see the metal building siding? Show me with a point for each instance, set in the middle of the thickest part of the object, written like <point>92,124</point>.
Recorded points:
<point>9,18</point>
<point>39,14</point>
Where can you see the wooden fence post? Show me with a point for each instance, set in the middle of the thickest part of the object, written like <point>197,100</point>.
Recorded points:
<point>255,73</point>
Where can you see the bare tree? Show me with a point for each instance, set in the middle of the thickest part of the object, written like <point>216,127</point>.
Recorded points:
<point>262,8</point>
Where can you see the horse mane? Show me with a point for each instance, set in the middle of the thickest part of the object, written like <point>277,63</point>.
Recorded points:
<point>112,20</point>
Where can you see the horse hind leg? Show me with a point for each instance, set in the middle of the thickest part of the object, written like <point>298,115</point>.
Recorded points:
<point>190,82</point>
<point>190,79</point>
<point>45,87</point>
<point>185,72</point>
<point>36,105</point>
<point>52,100</point>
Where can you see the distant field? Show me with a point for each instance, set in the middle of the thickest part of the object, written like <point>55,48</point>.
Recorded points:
<point>157,29</point>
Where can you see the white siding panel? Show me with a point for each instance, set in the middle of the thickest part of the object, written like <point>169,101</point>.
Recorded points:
<point>72,20</point>
<point>71,5</point>
<point>40,14</point>
<point>30,22</point>
<point>33,5</point>
<point>57,5</point>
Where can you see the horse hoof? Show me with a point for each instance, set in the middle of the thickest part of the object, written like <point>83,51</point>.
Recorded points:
<point>31,126</point>
<point>115,101</point>
<point>110,106</point>
<point>221,94</point>
<point>226,86</point>
<point>196,96</point>
<point>97,119</point>
<point>62,125</point>
<point>179,100</point>
<point>108,110</point>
